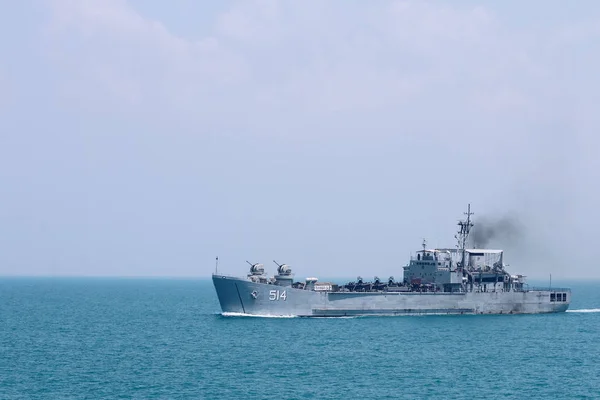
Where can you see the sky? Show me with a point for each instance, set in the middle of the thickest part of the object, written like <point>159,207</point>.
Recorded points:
<point>146,138</point>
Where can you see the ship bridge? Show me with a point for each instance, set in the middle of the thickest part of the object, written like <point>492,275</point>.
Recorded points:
<point>433,267</point>
<point>478,259</point>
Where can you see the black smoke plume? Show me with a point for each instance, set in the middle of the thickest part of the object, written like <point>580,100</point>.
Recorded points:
<point>502,231</point>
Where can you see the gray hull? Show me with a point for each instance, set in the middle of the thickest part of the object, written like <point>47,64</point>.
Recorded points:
<point>238,295</point>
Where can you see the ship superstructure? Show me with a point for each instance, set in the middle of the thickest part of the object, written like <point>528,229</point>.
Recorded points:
<point>456,280</point>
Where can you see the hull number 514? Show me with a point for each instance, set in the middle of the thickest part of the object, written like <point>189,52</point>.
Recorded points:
<point>277,295</point>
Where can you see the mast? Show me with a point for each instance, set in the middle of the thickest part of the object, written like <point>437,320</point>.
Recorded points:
<point>463,234</point>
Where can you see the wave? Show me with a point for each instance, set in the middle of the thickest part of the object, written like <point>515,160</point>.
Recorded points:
<point>236,314</point>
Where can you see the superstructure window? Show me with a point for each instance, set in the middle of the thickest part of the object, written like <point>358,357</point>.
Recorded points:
<point>558,297</point>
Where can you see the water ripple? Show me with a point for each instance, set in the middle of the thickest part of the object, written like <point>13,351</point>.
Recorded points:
<point>166,339</point>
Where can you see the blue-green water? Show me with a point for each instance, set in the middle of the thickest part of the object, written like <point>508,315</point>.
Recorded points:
<point>96,338</point>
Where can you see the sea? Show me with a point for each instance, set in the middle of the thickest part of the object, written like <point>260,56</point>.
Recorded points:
<point>165,338</point>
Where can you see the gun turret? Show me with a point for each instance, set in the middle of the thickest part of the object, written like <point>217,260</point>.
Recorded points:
<point>256,269</point>
<point>283,269</point>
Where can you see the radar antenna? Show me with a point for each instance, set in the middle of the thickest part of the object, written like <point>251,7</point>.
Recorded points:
<point>463,233</point>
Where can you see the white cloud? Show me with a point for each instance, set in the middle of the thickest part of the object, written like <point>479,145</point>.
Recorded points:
<point>399,60</point>
<point>112,54</point>
<point>307,55</point>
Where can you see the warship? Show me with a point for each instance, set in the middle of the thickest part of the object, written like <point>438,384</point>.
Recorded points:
<point>459,280</point>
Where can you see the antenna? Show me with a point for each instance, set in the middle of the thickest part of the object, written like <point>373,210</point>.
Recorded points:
<point>463,233</point>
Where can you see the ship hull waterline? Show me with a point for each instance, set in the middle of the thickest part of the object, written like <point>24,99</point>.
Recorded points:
<point>239,296</point>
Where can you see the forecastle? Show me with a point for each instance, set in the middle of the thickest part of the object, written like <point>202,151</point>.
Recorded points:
<point>435,281</point>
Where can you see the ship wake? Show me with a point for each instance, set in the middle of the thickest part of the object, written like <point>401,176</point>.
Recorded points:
<point>586,310</point>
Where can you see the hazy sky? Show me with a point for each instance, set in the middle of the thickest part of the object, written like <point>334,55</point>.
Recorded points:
<point>147,137</point>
